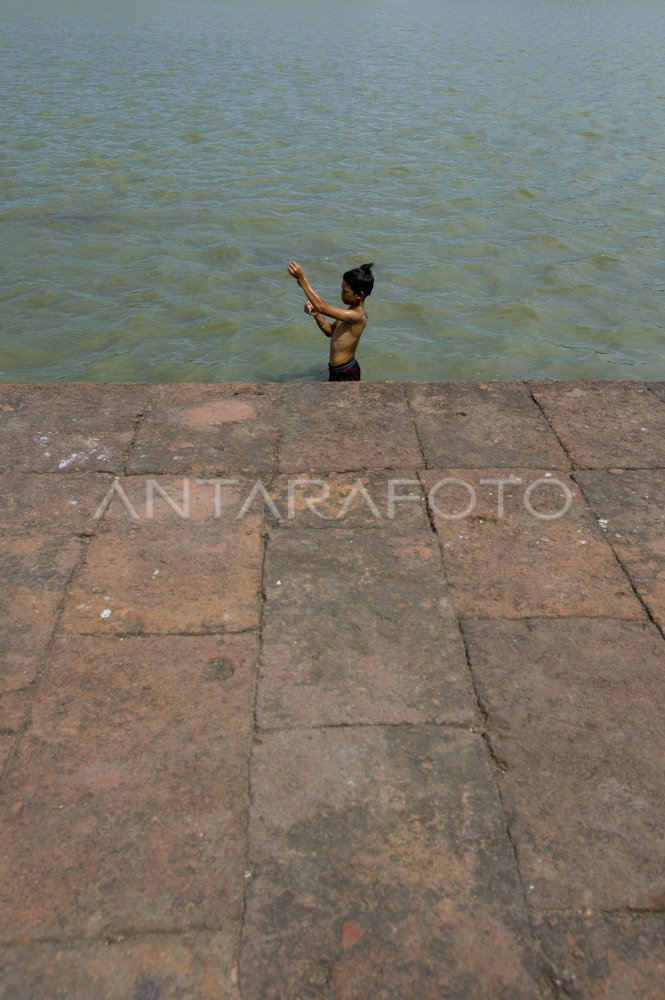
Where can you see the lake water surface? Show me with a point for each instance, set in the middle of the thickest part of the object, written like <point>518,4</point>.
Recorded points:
<point>502,162</point>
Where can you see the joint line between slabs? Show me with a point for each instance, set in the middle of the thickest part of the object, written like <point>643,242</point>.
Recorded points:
<point>110,938</point>
<point>464,727</point>
<point>588,913</point>
<point>138,424</point>
<point>497,765</point>
<point>250,630</point>
<point>414,424</point>
<point>248,863</point>
<point>45,658</point>
<point>624,569</point>
<point>552,428</point>
<point>652,390</point>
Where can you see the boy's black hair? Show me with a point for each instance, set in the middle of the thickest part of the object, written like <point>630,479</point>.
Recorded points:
<point>360,279</point>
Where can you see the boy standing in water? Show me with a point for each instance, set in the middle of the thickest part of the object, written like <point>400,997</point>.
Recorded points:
<point>348,323</point>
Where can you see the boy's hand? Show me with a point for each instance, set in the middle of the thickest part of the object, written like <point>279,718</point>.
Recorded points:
<point>296,271</point>
<point>309,309</point>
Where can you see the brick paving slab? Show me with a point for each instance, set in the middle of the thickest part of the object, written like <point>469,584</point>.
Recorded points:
<point>576,713</point>
<point>392,500</point>
<point>124,810</point>
<point>35,569</point>
<point>631,505</point>
<point>397,854</point>
<point>62,503</point>
<point>208,429</point>
<point>479,424</point>
<point>68,426</point>
<point>346,426</point>
<point>14,710</point>
<point>602,957</point>
<point>41,518</point>
<point>195,967</point>
<point>166,573</point>
<point>7,743</point>
<point>515,564</point>
<point>606,424</point>
<point>381,644</point>
<point>381,868</point>
<point>657,388</point>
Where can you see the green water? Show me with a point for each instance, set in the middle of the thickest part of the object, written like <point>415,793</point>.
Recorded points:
<point>502,162</point>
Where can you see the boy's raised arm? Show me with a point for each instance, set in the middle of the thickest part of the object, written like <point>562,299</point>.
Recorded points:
<point>296,271</point>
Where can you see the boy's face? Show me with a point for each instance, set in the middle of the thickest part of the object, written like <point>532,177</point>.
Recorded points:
<point>349,297</point>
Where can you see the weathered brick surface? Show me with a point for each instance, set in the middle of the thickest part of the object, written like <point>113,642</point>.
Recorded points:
<point>606,424</point>
<point>167,573</point>
<point>480,424</point>
<point>124,810</point>
<point>657,388</point>
<point>14,709</point>
<point>380,868</point>
<point>346,426</point>
<point>7,742</point>
<point>381,642</point>
<point>208,429</point>
<point>606,957</point>
<point>429,817</point>
<point>68,426</point>
<point>189,967</point>
<point>61,503</point>
<point>631,507</point>
<point>576,713</point>
<point>391,500</point>
<point>514,564</point>
<point>35,569</point>
<point>42,519</point>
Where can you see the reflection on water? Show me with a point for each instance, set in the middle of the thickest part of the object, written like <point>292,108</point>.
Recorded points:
<point>501,162</point>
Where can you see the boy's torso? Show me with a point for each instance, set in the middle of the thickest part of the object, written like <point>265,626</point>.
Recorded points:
<point>344,341</point>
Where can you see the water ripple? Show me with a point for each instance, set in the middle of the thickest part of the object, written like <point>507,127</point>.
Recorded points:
<point>162,165</point>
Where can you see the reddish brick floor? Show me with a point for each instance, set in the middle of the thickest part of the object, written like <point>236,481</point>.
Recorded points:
<point>332,692</point>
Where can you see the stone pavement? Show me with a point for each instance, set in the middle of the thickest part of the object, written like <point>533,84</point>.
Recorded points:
<point>350,692</point>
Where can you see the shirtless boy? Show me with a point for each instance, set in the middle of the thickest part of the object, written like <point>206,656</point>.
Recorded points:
<point>348,324</point>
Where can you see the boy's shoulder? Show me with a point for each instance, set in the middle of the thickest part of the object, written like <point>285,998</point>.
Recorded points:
<point>358,314</point>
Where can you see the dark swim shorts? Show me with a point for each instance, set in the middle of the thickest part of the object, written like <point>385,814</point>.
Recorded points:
<point>348,372</point>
